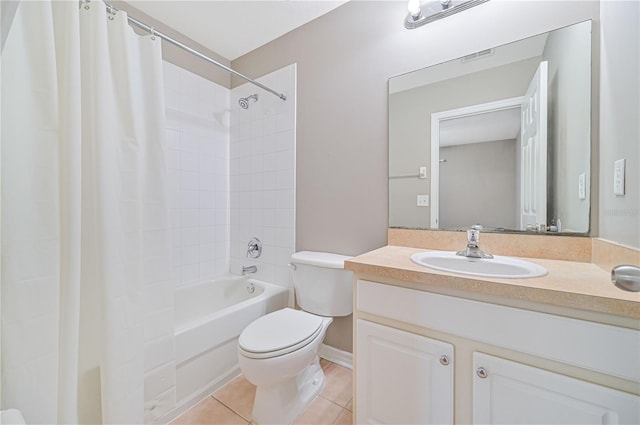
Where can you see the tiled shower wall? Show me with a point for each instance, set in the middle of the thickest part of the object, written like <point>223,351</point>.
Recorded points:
<point>197,113</point>
<point>198,163</point>
<point>263,176</point>
<point>231,175</point>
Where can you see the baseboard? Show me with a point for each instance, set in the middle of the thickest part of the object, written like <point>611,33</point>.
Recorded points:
<point>343,358</point>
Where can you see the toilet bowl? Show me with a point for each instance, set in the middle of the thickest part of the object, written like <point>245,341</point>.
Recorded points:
<point>286,371</point>
<point>278,352</point>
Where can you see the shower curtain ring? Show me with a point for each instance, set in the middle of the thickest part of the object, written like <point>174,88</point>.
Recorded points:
<point>153,33</point>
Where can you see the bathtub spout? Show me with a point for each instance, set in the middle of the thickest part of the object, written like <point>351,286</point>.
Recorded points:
<point>249,269</point>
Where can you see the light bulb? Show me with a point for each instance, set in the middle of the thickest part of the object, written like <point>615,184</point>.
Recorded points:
<point>414,8</point>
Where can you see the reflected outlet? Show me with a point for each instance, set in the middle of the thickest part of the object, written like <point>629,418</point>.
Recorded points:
<point>422,200</point>
<point>582,186</point>
<point>618,177</point>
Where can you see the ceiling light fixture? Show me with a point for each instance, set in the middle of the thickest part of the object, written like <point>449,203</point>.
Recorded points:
<point>420,14</point>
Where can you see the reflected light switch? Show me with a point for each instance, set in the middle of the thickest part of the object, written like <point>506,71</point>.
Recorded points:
<point>582,190</point>
<point>618,177</point>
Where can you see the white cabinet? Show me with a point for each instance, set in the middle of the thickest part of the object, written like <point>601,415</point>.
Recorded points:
<point>402,378</point>
<point>506,392</point>
<point>535,367</point>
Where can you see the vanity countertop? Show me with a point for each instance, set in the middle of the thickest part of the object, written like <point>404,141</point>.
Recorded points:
<point>583,287</point>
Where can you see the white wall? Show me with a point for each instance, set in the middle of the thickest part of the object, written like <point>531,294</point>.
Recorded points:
<point>198,163</point>
<point>197,160</point>
<point>263,159</point>
<point>619,119</point>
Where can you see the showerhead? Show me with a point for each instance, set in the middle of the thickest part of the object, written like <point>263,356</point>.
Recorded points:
<point>244,101</point>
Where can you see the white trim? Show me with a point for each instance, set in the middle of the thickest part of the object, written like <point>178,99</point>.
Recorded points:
<point>343,358</point>
<point>436,117</point>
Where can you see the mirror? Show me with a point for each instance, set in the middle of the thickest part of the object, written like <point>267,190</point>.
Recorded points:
<point>501,137</point>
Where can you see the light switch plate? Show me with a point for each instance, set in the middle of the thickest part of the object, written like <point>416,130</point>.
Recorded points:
<point>618,177</point>
<point>422,200</point>
<point>423,172</point>
<point>582,186</point>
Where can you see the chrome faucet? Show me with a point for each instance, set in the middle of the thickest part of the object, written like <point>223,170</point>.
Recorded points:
<point>254,248</point>
<point>249,269</point>
<point>473,239</point>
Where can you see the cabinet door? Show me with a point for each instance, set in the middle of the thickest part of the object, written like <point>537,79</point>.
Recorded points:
<point>402,378</point>
<point>505,392</point>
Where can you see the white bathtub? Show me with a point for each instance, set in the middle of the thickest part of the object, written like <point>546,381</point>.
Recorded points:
<point>208,320</point>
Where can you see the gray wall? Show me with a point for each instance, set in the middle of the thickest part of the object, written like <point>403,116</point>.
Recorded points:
<point>344,60</point>
<point>619,121</point>
<point>478,184</point>
<point>176,55</point>
<point>568,54</point>
<point>410,131</point>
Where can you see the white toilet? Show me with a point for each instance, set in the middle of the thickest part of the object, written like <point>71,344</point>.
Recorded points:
<point>278,351</point>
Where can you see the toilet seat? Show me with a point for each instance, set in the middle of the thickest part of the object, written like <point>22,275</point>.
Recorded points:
<point>279,333</point>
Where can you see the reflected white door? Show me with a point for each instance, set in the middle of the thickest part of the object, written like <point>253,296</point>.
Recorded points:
<point>533,156</point>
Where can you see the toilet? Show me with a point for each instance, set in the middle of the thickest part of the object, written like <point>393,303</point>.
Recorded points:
<point>278,352</point>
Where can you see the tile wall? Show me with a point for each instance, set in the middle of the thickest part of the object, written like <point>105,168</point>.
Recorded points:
<point>198,162</point>
<point>231,175</point>
<point>263,176</point>
<point>197,117</point>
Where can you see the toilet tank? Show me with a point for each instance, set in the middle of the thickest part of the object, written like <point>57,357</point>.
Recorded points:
<point>321,283</point>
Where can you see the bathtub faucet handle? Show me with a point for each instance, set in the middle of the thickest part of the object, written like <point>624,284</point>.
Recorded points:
<point>254,248</point>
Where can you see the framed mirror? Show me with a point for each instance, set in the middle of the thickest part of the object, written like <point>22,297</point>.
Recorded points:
<point>500,138</point>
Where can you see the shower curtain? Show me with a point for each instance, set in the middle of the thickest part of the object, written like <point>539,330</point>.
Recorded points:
<point>84,211</point>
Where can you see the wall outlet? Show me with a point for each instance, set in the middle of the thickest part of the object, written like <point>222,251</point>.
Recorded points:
<point>618,177</point>
<point>582,186</point>
<point>422,200</point>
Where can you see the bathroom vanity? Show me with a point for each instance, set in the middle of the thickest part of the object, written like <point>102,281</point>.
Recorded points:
<point>438,347</point>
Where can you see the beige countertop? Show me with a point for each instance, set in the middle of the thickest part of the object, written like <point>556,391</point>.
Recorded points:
<point>578,286</point>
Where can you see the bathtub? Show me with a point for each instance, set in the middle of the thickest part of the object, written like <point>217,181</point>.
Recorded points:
<point>208,319</point>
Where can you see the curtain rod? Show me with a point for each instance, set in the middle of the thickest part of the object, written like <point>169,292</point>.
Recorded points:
<point>150,29</point>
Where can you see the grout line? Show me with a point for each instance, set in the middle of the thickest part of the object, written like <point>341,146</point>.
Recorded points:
<point>248,421</point>
<point>344,410</point>
<point>231,408</point>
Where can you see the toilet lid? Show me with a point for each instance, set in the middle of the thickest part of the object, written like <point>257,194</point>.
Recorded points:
<point>279,333</point>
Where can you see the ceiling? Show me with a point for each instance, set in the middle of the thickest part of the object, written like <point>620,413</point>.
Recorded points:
<point>233,28</point>
<point>485,127</point>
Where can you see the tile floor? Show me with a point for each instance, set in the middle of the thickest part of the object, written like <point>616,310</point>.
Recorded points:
<point>232,404</point>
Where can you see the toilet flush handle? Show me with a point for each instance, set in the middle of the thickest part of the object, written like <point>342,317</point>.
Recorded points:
<point>293,266</point>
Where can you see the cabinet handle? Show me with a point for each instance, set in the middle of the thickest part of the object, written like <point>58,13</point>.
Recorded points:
<point>482,372</point>
<point>444,360</point>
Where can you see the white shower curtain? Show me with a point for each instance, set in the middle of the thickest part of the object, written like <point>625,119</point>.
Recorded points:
<point>84,211</point>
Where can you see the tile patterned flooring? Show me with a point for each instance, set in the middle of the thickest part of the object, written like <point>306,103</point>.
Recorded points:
<point>233,403</point>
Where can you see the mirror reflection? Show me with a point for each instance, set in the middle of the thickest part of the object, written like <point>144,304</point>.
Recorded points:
<point>500,138</point>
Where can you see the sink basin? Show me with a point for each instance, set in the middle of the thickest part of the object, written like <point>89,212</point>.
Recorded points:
<point>498,266</point>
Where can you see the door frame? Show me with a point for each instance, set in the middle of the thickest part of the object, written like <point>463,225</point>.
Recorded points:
<point>436,118</point>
